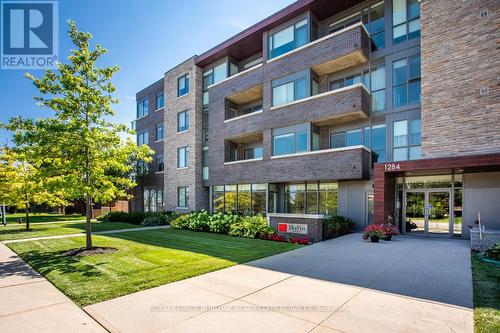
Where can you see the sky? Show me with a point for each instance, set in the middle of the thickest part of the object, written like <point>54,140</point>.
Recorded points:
<point>144,37</point>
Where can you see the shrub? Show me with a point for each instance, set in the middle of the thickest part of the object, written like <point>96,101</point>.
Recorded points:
<point>181,222</point>
<point>220,222</point>
<point>336,225</point>
<point>249,227</point>
<point>198,221</point>
<point>138,217</point>
<point>493,252</point>
<point>152,221</point>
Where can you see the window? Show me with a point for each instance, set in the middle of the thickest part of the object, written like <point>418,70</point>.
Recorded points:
<point>374,80</point>
<point>311,198</point>
<point>160,164</point>
<point>406,87</point>
<point>204,162</point>
<point>346,139</point>
<point>183,85</point>
<point>154,199</point>
<point>252,109</point>
<point>219,72</point>
<point>159,100</point>
<point>250,153</point>
<point>182,157</point>
<point>373,18</point>
<point>182,196</point>
<point>288,39</point>
<point>143,108</point>
<point>378,141</point>
<point>290,143</point>
<point>143,138</point>
<point>182,121</point>
<point>291,91</point>
<point>405,20</point>
<point>159,132</point>
<point>142,168</point>
<point>243,198</point>
<point>406,146</point>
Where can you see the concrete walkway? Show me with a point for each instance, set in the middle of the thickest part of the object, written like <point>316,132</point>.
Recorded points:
<point>83,234</point>
<point>344,285</point>
<point>29,303</point>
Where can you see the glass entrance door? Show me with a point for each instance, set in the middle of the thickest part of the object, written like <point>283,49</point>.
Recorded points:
<point>438,214</point>
<point>428,212</point>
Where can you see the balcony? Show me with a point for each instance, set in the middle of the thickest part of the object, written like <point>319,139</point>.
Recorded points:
<point>244,103</point>
<point>336,106</point>
<point>349,163</point>
<point>244,148</point>
<point>334,52</point>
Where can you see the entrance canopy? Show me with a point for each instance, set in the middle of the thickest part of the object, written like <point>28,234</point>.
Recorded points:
<point>386,173</point>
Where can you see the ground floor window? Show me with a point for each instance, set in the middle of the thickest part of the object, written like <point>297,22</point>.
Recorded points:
<point>245,199</point>
<point>154,199</point>
<point>182,196</point>
<point>311,198</point>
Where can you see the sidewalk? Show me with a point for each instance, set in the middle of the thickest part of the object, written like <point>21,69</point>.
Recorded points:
<point>29,303</point>
<point>83,234</point>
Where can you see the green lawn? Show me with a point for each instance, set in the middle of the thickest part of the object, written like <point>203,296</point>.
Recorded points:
<point>486,284</point>
<point>43,217</point>
<point>63,228</point>
<point>144,259</point>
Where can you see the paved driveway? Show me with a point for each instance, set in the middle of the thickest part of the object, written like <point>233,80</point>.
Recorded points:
<point>343,285</point>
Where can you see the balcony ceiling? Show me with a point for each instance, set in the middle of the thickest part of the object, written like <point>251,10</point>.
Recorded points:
<point>337,64</point>
<point>248,95</point>
<point>249,42</point>
<point>247,138</point>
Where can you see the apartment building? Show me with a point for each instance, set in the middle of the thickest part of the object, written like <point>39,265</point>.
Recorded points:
<point>376,110</point>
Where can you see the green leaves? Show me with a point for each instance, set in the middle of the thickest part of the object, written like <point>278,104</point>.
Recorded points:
<point>78,152</point>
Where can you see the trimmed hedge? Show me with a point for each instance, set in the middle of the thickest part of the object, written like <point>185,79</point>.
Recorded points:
<point>144,218</point>
<point>337,225</point>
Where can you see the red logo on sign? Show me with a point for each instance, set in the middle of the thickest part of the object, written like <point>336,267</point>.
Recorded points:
<point>282,227</point>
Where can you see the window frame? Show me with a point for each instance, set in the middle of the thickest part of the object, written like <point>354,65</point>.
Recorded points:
<point>160,97</point>
<point>270,45</point>
<point>185,190</point>
<point>184,91</point>
<point>159,128</point>
<point>183,114</point>
<point>160,163</point>
<point>183,150</point>
<point>142,108</point>
<point>410,79</point>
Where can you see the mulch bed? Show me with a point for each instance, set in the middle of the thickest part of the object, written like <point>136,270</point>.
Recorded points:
<point>84,252</point>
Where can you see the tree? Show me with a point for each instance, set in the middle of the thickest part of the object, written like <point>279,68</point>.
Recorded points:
<point>79,149</point>
<point>22,185</point>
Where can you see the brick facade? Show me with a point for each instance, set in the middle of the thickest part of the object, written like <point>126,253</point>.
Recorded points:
<point>459,58</point>
<point>191,176</point>
<point>148,123</point>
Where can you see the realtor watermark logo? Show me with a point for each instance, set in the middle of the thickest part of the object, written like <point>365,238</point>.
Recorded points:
<point>29,34</point>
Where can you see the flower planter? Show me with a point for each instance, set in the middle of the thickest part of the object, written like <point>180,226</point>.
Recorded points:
<point>387,238</point>
<point>374,239</point>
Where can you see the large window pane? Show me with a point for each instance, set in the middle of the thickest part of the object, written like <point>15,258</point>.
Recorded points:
<point>244,199</point>
<point>284,144</point>
<point>377,77</point>
<point>230,198</point>
<point>353,138</point>
<point>399,96</point>
<point>415,92</point>
<point>218,198</point>
<point>414,66</point>
<point>258,201</point>
<point>413,8</point>
<point>399,34</point>
<point>337,140</point>
<point>301,33</point>
<point>283,94</point>
<point>295,199</point>
<point>328,198</point>
<point>301,89</point>
<point>415,153</point>
<point>220,72</point>
<point>400,133</point>
<point>415,132</point>
<point>378,100</point>
<point>399,74</point>
<point>400,154</point>
<point>282,41</point>
<point>312,198</point>
<point>301,141</point>
<point>398,12</point>
<point>378,137</point>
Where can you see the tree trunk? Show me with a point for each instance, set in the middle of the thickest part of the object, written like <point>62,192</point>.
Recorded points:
<point>64,210</point>
<point>27,213</point>
<point>88,226</point>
